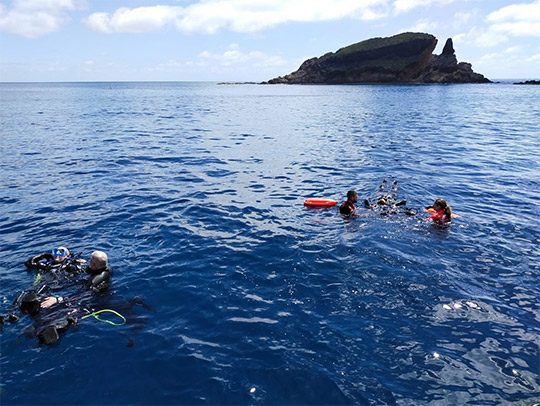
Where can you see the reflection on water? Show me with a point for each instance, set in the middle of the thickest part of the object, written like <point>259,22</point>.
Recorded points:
<point>195,191</point>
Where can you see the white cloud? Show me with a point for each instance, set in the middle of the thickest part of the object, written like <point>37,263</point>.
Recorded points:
<point>137,20</point>
<point>502,64</point>
<point>370,15</point>
<point>489,58</point>
<point>460,19</point>
<point>517,12</point>
<point>487,38</point>
<point>246,16</point>
<point>534,58</point>
<point>424,25</point>
<point>460,38</point>
<point>464,17</point>
<point>403,6</point>
<point>234,55</point>
<point>518,28</point>
<point>516,20</point>
<point>174,66</point>
<point>35,18</point>
<point>209,16</point>
<point>250,16</point>
<point>513,50</point>
<point>227,65</point>
<point>505,62</point>
<point>481,37</point>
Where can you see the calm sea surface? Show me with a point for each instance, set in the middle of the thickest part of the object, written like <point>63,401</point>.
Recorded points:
<point>196,190</point>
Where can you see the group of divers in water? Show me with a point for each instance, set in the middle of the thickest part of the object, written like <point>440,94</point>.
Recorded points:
<point>441,212</point>
<point>68,289</point>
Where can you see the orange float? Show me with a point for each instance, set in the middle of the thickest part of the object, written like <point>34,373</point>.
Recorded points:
<point>317,202</point>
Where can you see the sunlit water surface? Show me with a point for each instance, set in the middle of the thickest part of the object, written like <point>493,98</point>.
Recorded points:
<point>196,190</point>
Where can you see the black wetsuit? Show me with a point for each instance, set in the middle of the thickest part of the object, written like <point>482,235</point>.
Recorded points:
<point>48,322</point>
<point>99,279</point>
<point>347,208</point>
<point>45,262</point>
<point>70,309</point>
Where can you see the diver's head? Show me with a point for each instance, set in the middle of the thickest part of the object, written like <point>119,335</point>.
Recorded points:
<point>352,196</point>
<point>98,260</point>
<point>440,204</point>
<point>30,303</point>
<point>59,254</point>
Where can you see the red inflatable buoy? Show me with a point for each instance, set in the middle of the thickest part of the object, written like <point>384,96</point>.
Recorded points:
<point>316,202</point>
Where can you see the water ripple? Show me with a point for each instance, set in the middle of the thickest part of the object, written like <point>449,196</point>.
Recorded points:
<point>196,192</point>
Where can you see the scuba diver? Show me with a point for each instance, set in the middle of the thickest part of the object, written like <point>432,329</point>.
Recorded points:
<point>98,281</point>
<point>387,201</point>
<point>442,212</point>
<point>59,259</point>
<point>54,314</point>
<point>56,267</point>
<point>348,208</point>
<point>99,271</point>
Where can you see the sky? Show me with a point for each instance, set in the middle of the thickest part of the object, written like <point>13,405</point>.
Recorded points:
<point>247,40</point>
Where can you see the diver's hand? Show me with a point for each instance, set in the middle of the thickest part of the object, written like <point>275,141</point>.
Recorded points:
<point>49,301</point>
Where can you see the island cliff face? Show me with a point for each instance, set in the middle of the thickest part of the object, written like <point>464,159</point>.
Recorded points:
<point>403,58</point>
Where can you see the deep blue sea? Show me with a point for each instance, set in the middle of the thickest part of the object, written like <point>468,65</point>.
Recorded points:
<point>196,191</point>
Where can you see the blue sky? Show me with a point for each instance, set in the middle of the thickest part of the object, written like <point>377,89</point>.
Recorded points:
<point>247,40</point>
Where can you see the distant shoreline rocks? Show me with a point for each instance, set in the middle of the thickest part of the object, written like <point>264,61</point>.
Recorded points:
<point>238,83</point>
<point>528,82</point>
<point>401,59</point>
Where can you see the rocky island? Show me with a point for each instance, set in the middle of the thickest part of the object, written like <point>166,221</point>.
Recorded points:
<point>400,59</point>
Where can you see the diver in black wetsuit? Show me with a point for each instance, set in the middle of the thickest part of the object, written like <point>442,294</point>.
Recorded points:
<point>56,267</point>
<point>49,319</point>
<point>99,271</point>
<point>59,259</point>
<point>348,208</point>
<point>387,200</point>
<point>98,281</point>
<point>58,313</point>
<point>85,297</point>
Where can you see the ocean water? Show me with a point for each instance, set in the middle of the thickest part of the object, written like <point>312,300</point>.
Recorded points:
<point>196,190</point>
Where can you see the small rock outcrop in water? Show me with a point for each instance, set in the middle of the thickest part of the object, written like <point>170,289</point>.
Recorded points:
<point>528,82</point>
<point>403,58</point>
